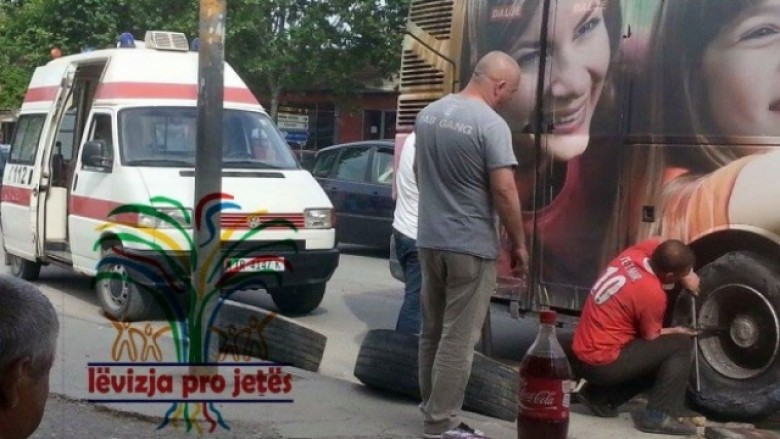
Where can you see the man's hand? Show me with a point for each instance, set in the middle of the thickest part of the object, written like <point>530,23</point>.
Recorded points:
<point>507,202</point>
<point>691,283</point>
<point>520,260</point>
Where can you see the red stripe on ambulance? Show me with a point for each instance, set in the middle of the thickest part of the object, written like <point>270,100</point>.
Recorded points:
<point>148,90</point>
<point>41,94</point>
<point>99,209</point>
<point>16,195</point>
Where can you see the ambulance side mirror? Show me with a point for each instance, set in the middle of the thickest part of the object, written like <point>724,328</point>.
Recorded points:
<point>93,157</point>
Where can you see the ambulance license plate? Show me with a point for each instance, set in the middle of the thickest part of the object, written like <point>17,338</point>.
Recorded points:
<point>256,264</point>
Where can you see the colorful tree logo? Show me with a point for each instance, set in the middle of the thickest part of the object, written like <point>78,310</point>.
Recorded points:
<point>167,278</point>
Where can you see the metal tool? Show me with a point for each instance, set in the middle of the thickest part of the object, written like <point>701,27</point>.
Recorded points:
<point>695,343</point>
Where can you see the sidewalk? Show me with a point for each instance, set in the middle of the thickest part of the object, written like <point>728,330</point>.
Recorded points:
<point>323,407</point>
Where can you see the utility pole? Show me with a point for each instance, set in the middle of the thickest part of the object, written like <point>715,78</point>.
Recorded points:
<point>208,175</point>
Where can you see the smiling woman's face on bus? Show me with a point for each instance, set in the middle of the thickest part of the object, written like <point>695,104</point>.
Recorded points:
<point>579,58</point>
<point>741,70</point>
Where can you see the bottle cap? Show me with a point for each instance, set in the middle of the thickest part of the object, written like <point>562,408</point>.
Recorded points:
<point>548,317</point>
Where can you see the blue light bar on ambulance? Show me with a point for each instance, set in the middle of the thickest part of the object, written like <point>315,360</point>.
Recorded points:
<point>195,45</point>
<point>126,40</point>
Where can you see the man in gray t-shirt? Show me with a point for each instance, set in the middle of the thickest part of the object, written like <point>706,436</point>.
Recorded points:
<point>464,167</point>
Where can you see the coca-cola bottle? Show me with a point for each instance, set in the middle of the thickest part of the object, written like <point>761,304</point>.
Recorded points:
<point>545,386</point>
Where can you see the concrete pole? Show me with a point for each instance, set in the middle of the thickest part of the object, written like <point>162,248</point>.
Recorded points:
<point>208,169</point>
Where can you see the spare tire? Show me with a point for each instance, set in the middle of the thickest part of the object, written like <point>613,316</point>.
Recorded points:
<point>245,330</point>
<point>739,358</point>
<point>388,361</point>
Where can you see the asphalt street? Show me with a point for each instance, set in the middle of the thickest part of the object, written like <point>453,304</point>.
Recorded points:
<point>361,296</point>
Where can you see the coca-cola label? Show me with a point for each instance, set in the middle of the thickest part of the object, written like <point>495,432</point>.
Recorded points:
<point>544,398</point>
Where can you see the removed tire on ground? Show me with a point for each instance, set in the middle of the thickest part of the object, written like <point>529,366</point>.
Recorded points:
<point>388,361</point>
<point>249,331</point>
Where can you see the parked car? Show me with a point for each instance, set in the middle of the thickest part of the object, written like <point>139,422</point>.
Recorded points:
<point>358,179</point>
<point>306,158</point>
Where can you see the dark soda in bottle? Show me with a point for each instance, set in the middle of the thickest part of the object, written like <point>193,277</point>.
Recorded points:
<point>545,386</point>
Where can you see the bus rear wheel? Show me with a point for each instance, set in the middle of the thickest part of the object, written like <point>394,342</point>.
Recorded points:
<point>739,356</point>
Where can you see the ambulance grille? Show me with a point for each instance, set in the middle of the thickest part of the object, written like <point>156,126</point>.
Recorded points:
<point>432,16</point>
<point>253,221</point>
<point>162,40</point>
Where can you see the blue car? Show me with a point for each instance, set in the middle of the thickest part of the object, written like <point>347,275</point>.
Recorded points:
<point>358,179</point>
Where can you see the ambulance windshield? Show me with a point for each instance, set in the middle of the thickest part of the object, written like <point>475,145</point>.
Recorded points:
<point>165,137</point>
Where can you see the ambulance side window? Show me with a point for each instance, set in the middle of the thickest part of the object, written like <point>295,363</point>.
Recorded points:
<point>65,136</point>
<point>101,130</point>
<point>25,143</point>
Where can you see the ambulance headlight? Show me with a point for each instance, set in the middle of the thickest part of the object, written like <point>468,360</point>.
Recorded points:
<point>153,222</point>
<point>318,218</point>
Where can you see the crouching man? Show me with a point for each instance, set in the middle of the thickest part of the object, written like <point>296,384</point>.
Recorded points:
<point>620,345</point>
<point>28,337</point>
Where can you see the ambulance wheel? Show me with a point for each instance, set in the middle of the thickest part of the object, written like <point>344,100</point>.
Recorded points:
<point>24,269</point>
<point>301,299</point>
<point>120,298</point>
<point>739,356</point>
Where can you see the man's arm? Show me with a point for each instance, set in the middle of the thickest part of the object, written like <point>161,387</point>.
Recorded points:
<point>504,193</point>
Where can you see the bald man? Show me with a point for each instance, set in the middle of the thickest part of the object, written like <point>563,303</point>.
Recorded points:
<point>465,175</point>
<point>620,345</point>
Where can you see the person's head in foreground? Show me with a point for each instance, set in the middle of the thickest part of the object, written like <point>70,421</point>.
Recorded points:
<point>28,337</point>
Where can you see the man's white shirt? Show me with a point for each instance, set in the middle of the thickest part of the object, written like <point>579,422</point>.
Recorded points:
<point>405,217</point>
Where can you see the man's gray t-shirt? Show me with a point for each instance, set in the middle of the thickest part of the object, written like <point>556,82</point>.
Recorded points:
<point>459,141</point>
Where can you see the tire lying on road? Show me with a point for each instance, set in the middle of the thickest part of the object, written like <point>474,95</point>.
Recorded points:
<point>387,360</point>
<point>245,330</point>
<point>739,361</point>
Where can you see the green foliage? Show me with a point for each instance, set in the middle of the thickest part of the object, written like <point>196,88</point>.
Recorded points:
<point>275,45</point>
<point>290,45</point>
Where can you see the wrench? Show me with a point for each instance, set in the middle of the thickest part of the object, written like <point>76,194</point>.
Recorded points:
<point>695,343</point>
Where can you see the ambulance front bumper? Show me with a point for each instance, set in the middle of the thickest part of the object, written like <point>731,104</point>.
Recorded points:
<point>250,270</point>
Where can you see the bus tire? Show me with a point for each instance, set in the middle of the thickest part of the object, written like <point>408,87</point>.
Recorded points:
<point>24,269</point>
<point>121,300</point>
<point>388,360</point>
<point>298,300</point>
<point>245,330</point>
<point>739,361</point>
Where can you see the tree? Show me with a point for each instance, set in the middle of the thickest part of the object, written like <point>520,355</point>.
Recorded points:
<point>305,44</point>
<point>275,45</point>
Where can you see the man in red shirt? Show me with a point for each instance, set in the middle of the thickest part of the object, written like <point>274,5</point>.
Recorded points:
<point>620,345</point>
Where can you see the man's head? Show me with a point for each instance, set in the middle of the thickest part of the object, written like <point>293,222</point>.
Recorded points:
<point>496,78</point>
<point>672,261</point>
<point>28,337</point>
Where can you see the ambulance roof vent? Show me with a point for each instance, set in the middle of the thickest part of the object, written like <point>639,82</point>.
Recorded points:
<point>162,40</point>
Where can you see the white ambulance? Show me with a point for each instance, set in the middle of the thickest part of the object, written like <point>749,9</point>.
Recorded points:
<point>117,127</point>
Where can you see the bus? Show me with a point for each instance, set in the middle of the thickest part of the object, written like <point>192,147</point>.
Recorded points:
<point>635,118</point>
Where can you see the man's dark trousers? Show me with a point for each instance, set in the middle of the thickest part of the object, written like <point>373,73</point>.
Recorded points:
<point>662,366</point>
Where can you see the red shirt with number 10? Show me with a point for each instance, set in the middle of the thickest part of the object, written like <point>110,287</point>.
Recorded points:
<point>626,302</point>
